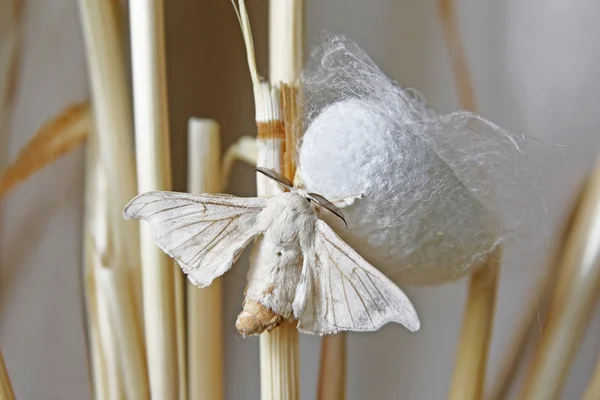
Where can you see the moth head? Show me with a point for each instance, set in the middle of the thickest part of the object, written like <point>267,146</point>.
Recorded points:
<point>311,197</point>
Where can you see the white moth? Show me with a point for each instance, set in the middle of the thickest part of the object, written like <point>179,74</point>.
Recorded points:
<point>300,269</point>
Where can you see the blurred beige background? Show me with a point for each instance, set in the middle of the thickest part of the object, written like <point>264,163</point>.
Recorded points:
<point>534,64</point>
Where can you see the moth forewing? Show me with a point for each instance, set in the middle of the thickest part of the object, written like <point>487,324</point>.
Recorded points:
<point>204,233</point>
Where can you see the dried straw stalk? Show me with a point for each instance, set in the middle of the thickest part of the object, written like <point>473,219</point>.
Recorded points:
<point>530,317</point>
<point>161,293</point>
<point>332,371</point>
<point>279,349</point>
<point>7,91</point>
<point>592,392</point>
<point>277,119</point>
<point>54,139</point>
<point>573,299</point>
<point>468,381</point>
<point>118,275</point>
<point>108,309</point>
<point>154,173</point>
<point>204,306</point>
<point>94,231</point>
<point>11,36</point>
<point>6,390</point>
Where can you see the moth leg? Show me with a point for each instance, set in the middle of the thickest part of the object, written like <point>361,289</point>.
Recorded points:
<point>348,201</point>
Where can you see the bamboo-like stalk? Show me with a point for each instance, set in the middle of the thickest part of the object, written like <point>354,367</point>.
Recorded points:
<point>97,358</point>
<point>181,332</point>
<point>516,349</point>
<point>118,271</point>
<point>6,390</point>
<point>277,125</point>
<point>204,306</point>
<point>279,349</point>
<point>279,363</point>
<point>468,381</point>
<point>107,339</point>
<point>121,309</point>
<point>592,392</point>
<point>101,21</point>
<point>154,173</point>
<point>332,371</point>
<point>97,247</point>
<point>464,84</point>
<point>114,306</point>
<point>572,301</point>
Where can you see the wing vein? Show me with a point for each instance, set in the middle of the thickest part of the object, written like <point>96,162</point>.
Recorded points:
<point>201,251</point>
<point>193,236</point>
<point>344,277</point>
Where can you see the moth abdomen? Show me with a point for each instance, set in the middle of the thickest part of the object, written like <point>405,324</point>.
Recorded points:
<point>256,318</point>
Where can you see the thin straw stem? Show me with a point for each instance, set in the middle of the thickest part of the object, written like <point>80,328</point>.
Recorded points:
<point>6,390</point>
<point>121,310</point>
<point>181,333</point>
<point>592,392</point>
<point>464,84</point>
<point>279,349</point>
<point>117,273</point>
<point>277,117</point>
<point>111,381</point>
<point>468,381</point>
<point>578,283</point>
<point>99,374</point>
<point>10,69</point>
<point>204,306</point>
<point>332,375</point>
<point>111,103</point>
<point>54,139</point>
<point>279,362</point>
<point>469,372</point>
<point>112,384</point>
<point>97,364</point>
<point>108,341</point>
<point>154,173</point>
<point>531,315</point>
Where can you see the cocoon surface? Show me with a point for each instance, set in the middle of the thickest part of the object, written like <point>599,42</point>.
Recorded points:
<point>436,186</point>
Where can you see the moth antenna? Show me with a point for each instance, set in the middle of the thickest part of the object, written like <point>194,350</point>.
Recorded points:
<point>269,173</point>
<point>328,205</point>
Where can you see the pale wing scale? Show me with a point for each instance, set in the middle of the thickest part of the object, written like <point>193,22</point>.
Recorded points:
<point>204,233</point>
<point>340,291</point>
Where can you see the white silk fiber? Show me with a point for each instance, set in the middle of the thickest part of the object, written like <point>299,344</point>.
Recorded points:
<point>442,190</point>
